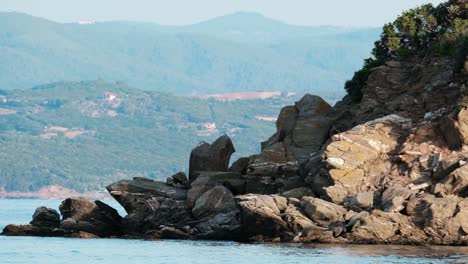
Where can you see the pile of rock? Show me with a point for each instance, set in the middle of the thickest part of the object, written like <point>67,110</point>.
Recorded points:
<point>80,218</point>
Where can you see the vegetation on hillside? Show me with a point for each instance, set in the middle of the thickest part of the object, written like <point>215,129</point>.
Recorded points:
<point>442,29</point>
<point>233,53</point>
<point>85,135</point>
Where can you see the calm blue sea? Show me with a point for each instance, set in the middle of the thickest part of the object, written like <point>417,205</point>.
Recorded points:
<point>114,251</point>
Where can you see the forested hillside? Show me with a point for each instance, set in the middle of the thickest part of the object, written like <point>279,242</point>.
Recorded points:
<point>239,52</point>
<point>84,135</point>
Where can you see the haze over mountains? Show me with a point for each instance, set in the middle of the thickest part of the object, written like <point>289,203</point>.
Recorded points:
<point>238,52</point>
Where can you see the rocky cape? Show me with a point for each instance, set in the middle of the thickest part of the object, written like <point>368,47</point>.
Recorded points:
<point>390,168</point>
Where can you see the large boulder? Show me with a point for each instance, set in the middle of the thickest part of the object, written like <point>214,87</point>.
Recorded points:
<point>144,186</point>
<point>261,217</point>
<point>215,201</point>
<point>223,226</point>
<point>92,217</point>
<point>206,180</point>
<point>45,217</point>
<point>211,157</point>
<point>178,180</point>
<point>322,212</point>
<point>79,209</point>
<point>301,130</point>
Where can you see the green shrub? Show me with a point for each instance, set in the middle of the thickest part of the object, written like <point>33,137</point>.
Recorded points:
<point>441,29</point>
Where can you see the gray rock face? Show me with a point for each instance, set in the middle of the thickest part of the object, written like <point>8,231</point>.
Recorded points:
<point>147,187</point>
<point>215,201</point>
<point>211,157</point>
<point>224,226</point>
<point>45,217</point>
<point>301,129</point>
<point>207,180</point>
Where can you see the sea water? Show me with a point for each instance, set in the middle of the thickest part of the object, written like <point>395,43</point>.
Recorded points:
<point>114,251</point>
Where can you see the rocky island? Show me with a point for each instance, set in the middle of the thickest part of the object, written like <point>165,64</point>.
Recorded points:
<point>386,164</point>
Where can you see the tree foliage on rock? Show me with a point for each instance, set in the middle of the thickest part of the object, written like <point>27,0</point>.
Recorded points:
<point>442,29</point>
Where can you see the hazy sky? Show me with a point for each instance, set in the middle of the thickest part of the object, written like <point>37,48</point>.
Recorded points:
<point>176,12</point>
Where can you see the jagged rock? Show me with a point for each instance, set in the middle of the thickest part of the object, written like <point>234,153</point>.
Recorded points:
<point>295,217</point>
<point>109,214</point>
<point>456,183</point>
<point>145,200</point>
<point>215,201</point>
<point>146,187</point>
<point>83,215</point>
<point>299,192</point>
<point>209,179</point>
<point>260,217</point>
<point>322,212</point>
<point>224,226</point>
<point>211,157</point>
<point>301,130</point>
<point>45,217</point>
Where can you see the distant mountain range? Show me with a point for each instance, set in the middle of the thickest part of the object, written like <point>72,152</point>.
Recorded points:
<point>238,52</point>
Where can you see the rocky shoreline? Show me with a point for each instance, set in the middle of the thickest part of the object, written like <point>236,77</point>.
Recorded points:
<point>389,168</point>
<point>390,180</point>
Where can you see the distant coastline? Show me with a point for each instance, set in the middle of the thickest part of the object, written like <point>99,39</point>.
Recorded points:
<point>53,192</point>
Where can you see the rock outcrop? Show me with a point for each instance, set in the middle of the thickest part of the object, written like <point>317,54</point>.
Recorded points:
<point>211,157</point>
<point>390,168</point>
